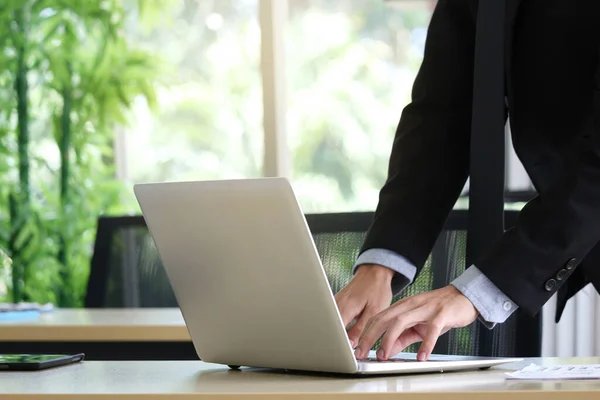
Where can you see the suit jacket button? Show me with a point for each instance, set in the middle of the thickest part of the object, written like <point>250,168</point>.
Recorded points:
<point>550,285</point>
<point>561,274</point>
<point>572,263</point>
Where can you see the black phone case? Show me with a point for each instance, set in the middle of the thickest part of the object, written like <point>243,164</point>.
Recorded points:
<point>37,366</point>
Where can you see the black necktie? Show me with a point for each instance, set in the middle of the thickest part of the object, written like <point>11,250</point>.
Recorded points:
<point>486,186</point>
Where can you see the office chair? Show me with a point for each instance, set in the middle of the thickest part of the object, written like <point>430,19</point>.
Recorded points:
<point>127,272</point>
<point>338,238</point>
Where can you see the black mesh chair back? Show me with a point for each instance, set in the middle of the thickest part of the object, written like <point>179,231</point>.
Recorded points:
<point>338,238</point>
<point>126,271</point>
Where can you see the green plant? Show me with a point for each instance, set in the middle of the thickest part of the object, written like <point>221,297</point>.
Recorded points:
<point>72,78</point>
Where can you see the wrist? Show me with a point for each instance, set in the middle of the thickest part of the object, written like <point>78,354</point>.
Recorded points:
<point>377,272</point>
<point>464,299</point>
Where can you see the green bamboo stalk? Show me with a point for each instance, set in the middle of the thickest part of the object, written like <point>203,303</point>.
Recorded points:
<point>16,267</point>
<point>20,207</point>
<point>22,89</point>
<point>64,147</point>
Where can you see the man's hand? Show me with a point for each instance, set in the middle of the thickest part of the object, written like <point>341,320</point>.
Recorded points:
<point>368,293</point>
<point>423,317</point>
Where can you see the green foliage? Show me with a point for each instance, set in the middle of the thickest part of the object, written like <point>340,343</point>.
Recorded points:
<point>208,124</point>
<point>350,65</point>
<point>182,79</point>
<point>71,80</point>
<point>349,69</point>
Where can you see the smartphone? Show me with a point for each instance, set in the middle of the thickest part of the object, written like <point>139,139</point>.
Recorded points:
<point>35,362</point>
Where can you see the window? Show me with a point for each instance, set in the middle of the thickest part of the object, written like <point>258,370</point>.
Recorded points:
<point>350,69</point>
<point>208,120</point>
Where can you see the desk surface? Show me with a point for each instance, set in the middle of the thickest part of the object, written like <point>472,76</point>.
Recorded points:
<point>72,325</point>
<point>198,380</point>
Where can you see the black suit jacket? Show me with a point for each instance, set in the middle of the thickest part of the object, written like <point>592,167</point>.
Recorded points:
<point>553,103</point>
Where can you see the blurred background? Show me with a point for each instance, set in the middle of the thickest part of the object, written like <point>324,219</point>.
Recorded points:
<point>97,95</point>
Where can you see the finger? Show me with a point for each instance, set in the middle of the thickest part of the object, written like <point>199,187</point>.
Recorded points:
<point>373,331</point>
<point>376,326</point>
<point>399,326</point>
<point>348,309</point>
<point>357,329</point>
<point>377,317</point>
<point>408,337</point>
<point>433,333</point>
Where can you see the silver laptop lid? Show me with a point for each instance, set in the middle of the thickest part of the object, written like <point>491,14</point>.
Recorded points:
<point>246,274</point>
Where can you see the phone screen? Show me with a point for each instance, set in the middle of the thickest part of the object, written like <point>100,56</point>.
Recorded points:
<point>28,358</point>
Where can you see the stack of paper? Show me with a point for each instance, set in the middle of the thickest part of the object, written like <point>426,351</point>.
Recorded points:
<point>540,372</point>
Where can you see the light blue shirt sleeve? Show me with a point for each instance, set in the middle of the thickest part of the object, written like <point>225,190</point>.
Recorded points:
<point>493,306</point>
<point>405,270</point>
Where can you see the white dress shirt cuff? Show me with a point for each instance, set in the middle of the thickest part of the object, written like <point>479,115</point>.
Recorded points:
<point>494,306</point>
<point>405,270</point>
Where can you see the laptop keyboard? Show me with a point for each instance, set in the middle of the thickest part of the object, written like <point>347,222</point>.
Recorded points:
<point>393,360</point>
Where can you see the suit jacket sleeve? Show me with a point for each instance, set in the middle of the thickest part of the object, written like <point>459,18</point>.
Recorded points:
<point>554,232</point>
<point>428,165</point>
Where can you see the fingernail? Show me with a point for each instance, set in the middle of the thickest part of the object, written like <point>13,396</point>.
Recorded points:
<point>421,356</point>
<point>380,353</point>
<point>352,343</point>
<point>357,353</point>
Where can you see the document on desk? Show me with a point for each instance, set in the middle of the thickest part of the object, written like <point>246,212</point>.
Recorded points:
<point>541,372</point>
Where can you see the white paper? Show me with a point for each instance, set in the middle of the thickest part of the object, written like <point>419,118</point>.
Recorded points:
<point>541,372</point>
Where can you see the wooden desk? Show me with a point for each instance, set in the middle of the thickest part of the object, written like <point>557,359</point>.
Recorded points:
<point>79,325</point>
<point>103,334</point>
<point>196,380</point>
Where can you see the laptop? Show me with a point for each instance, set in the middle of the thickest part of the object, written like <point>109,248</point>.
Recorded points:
<point>250,284</point>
